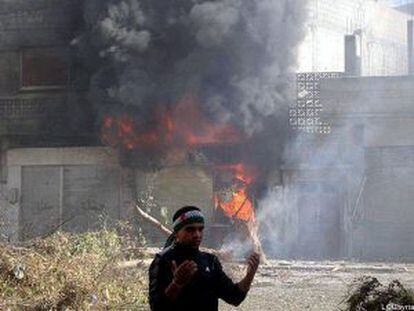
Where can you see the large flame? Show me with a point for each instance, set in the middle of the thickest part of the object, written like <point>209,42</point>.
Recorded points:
<point>239,204</point>
<point>185,126</point>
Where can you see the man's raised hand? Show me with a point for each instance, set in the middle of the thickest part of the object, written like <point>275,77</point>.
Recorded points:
<point>183,274</point>
<point>253,263</point>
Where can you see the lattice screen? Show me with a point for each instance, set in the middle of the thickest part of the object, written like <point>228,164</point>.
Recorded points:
<point>305,116</point>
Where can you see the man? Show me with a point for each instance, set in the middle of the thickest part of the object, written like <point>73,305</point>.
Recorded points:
<point>183,278</point>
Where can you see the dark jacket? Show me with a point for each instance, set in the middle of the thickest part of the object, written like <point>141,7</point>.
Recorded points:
<point>208,285</point>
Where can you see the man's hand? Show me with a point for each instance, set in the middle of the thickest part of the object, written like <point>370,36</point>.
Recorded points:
<point>252,265</point>
<point>183,274</point>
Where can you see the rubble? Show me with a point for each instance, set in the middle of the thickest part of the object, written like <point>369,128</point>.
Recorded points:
<point>289,285</point>
<point>368,294</point>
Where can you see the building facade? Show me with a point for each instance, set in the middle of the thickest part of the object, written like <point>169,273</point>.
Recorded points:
<point>347,193</point>
<point>380,32</point>
<point>350,191</point>
<point>55,173</point>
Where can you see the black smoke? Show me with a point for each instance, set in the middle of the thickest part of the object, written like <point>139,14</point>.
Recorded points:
<point>235,56</point>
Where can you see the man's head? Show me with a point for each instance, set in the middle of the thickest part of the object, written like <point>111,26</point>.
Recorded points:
<point>188,223</point>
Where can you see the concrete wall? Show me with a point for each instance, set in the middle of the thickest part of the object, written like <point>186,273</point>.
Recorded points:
<point>73,188</point>
<point>383,106</point>
<point>37,108</point>
<point>370,154</point>
<point>37,23</point>
<point>362,170</point>
<point>28,24</point>
<point>315,204</point>
<point>384,227</point>
<point>67,188</point>
<point>164,191</point>
<point>382,34</point>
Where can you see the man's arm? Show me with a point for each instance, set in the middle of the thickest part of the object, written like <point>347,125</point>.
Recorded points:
<point>158,281</point>
<point>252,265</point>
<point>230,292</point>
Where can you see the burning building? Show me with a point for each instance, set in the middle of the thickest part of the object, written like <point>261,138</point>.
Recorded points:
<point>111,104</point>
<point>181,94</point>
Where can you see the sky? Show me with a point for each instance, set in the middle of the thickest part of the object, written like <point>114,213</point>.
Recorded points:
<point>400,2</point>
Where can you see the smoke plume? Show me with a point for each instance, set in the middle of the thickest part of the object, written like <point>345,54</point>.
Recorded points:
<point>235,58</point>
<point>234,55</point>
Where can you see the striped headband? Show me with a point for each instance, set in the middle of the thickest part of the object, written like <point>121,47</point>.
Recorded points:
<point>190,217</point>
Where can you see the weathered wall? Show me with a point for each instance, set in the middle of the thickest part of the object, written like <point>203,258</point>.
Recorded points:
<point>171,188</point>
<point>314,206</point>
<point>380,193</point>
<point>28,24</point>
<point>384,228</point>
<point>362,172</point>
<point>382,34</point>
<point>42,100</point>
<point>69,188</point>
<point>75,188</point>
<point>383,106</point>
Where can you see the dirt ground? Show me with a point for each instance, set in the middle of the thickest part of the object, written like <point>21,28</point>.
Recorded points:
<point>319,286</point>
<point>306,285</point>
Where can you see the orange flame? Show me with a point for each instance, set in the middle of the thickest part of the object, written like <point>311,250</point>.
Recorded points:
<point>240,205</point>
<point>185,126</point>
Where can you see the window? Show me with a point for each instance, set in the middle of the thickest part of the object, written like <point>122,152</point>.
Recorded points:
<point>44,68</point>
<point>9,74</point>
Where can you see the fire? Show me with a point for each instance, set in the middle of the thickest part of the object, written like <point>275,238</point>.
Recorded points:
<point>237,203</point>
<point>195,129</point>
<point>185,126</point>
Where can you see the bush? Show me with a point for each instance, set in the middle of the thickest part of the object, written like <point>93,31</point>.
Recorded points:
<point>72,272</point>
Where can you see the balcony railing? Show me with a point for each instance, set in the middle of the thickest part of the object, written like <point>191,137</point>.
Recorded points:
<point>24,108</point>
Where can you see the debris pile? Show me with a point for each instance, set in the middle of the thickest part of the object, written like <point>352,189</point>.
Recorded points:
<point>368,294</point>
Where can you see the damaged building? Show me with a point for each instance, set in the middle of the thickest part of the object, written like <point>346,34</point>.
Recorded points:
<point>348,171</point>
<point>68,165</point>
<point>57,173</point>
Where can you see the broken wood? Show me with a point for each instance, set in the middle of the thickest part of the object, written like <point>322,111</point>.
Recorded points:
<point>167,232</point>
<point>163,229</point>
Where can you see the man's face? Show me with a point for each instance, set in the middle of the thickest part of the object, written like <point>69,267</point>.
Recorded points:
<point>191,235</point>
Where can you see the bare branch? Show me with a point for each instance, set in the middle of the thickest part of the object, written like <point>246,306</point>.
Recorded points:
<point>153,221</point>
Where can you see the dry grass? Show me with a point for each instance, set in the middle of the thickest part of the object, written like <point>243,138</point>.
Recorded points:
<point>72,272</point>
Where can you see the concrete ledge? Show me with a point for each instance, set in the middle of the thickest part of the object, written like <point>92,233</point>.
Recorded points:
<point>63,156</point>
